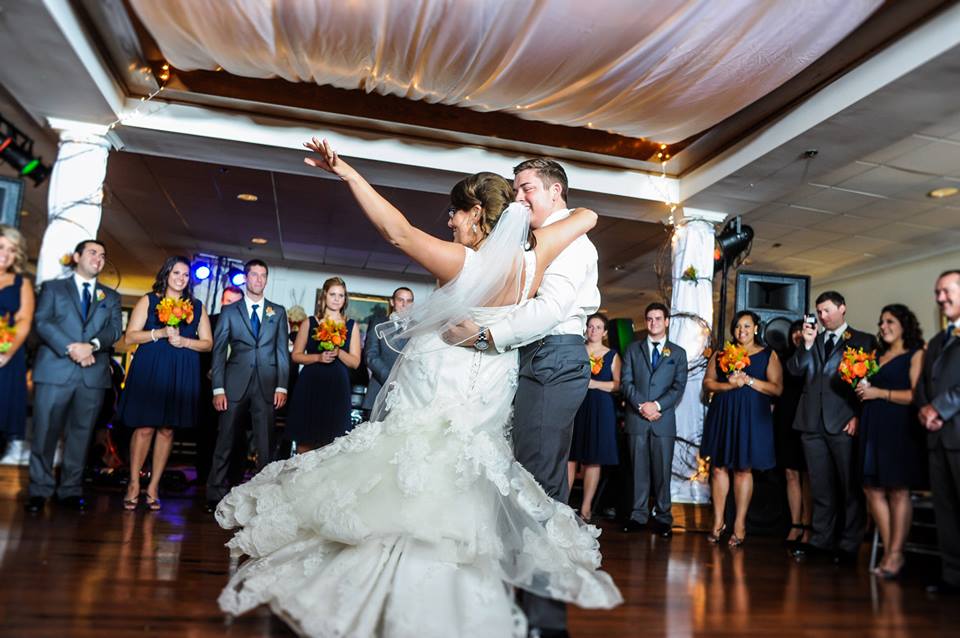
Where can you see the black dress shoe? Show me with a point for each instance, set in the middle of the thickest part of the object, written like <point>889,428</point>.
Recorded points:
<point>75,503</point>
<point>537,632</point>
<point>35,504</point>
<point>942,588</point>
<point>845,559</point>
<point>661,529</point>
<point>633,526</point>
<point>806,550</point>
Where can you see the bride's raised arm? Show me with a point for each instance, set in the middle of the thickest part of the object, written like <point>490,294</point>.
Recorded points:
<point>444,259</point>
<point>553,239</point>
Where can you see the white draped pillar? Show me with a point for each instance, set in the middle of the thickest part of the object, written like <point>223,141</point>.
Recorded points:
<point>75,197</point>
<point>693,246</point>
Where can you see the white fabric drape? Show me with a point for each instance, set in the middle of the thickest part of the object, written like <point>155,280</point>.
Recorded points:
<point>74,200</point>
<point>658,69</point>
<point>693,244</point>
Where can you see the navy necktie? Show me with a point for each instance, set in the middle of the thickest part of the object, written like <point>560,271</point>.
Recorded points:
<point>829,346</point>
<point>255,321</point>
<point>655,355</point>
<point>86,299</point>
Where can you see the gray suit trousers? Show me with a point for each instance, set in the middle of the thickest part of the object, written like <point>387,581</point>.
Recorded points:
<point>554,375</point>
<point>649,452</point>
<point>71,411</point>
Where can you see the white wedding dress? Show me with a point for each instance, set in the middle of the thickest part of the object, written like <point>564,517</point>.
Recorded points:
<point>417,525</point>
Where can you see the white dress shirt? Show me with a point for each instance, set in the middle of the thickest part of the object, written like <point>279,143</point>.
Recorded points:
<point>567,295</point>
<point>78,281</point>
<point>838,335</point>
<point>260,306</point>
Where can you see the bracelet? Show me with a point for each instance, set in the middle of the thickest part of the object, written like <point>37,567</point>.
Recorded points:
<point>152,335</point>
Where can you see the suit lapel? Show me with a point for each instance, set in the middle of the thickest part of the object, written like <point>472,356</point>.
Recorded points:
<point>70,289</point>
<point>645,349</point>
<point>942,348</point>
<point>245,318</point>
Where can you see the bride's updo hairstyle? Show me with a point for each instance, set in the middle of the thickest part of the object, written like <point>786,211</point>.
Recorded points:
<point>492,192</point>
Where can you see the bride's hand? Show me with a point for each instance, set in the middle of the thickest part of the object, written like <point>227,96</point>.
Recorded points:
<point>328,160</point>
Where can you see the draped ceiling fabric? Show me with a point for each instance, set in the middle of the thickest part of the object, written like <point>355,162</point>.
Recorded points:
<point>658,69</point>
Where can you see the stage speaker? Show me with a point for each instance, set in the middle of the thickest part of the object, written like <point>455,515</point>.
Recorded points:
<point>11,200</point>
<point>778,299</point>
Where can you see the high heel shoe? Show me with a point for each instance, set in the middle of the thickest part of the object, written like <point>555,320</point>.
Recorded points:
<point>736,541</point>
<point>715,536</point>
<point>793,542</point>
<point>153,504</point>
<point>130,504</point>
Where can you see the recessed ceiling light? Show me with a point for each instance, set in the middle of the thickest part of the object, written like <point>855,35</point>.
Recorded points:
<point>24,213</point>
<point>258,240</point>
<point>946,191</point>
<point>247,197</point>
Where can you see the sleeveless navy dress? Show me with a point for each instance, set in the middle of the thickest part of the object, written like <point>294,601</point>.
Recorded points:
<point>319,409</point>
<point>13,376</point>
<point>595,426</point>
<point>738,430</point>
<point>163,383</point>
<point>892,441</point>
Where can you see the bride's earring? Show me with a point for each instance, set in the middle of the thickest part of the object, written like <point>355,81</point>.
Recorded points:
<point>475,229</point>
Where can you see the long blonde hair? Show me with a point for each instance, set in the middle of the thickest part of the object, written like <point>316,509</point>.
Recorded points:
<point>322,303</point>
<point>19,247</point>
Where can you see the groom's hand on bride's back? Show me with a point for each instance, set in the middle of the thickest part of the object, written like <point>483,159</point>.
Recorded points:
<point>462,334</point>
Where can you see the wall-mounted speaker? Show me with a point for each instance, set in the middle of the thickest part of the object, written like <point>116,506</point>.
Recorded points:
<point>778,299</point>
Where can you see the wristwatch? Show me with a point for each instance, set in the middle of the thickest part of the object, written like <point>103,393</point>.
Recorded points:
<point>481,344</point>
<point>750,382</point>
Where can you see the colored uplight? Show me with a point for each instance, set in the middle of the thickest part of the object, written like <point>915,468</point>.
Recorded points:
<point>201,272</point>
<point>237,278</point>
<point>30,167</point>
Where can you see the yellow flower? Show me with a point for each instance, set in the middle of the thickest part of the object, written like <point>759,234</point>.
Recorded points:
<point>101,295</point>
<point>666,352</point>
<point>846,335</point>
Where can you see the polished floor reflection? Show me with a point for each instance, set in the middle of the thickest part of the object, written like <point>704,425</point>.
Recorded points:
<point>109,573</point>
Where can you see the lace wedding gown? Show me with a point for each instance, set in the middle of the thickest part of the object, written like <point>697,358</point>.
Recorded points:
<point>417,525</point>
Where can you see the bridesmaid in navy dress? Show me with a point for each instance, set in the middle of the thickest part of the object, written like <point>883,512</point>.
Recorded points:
<point>163,383</point>
<point>16,308</point>
<point>319,409</point>
<point>595,426</point>
<point>892,443</point>
<point>738,429</point>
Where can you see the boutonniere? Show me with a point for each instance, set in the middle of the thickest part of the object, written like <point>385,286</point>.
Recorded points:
<point>101,295</point>
<point>269,311</point>
<point>846,335</point>
<point>665,352</point>
<point>956,331</point>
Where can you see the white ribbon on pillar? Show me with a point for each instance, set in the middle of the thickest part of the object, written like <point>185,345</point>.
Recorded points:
<point>75,198</point>
<point>693,246</point>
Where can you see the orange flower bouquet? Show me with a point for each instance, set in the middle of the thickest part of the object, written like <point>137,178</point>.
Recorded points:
<point>330,334</point>
<point>173,312</point>
<point>596,364</point>
<point>857,365</point>
<point>733,358</point>
<point>8,330</point>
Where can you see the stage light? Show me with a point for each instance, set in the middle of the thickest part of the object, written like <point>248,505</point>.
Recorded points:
<point>731,243</point>
<point>16,149</point>
<point>236,277</point>
<point>201,271</point>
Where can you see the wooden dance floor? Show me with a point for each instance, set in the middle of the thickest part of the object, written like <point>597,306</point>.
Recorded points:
<point>108,573</point>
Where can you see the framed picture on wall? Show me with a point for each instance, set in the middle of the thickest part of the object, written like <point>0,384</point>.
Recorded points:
<point>363,309</point>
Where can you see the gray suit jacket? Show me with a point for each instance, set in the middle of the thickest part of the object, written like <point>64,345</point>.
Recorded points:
<point>267,355</point>
<point>640,383</point>
<point>826,398</point>
<point>59,322</point>
<point>379,358</point>
<point>939,385</point>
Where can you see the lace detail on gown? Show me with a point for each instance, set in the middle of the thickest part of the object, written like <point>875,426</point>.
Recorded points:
<point>416,525</point>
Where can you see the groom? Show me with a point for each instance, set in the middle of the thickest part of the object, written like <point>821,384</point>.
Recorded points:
<point>554,366</point>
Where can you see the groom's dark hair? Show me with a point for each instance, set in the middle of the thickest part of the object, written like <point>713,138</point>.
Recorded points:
<point>549,171</point>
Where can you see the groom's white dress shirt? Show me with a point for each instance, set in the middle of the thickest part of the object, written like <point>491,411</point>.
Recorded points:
<point>567,295</point>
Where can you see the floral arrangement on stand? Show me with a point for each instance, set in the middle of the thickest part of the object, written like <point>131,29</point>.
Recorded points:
<point>8,330</point>
<point>173,312</point>
<point>330,334</point>
<point>857,365</point>
<point>733,358</point>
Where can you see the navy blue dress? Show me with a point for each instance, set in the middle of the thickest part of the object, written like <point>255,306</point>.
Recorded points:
<point>319,409</point>
<point>738,430</point>
<point>163,383</point>
<point>595,426</point>
<point>13,376</point>
<point>892,441</point>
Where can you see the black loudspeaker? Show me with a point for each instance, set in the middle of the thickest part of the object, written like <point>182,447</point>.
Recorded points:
<point>778,299</point>
<point>11,200</point>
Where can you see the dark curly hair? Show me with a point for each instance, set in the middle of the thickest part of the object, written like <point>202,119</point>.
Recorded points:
<point>912,333</point>
<point>756,322</point>
<point>160,283</point>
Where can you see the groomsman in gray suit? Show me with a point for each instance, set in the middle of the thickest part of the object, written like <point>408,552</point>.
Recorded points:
<point>78,321</point>
<point>938,396</point>
<point>252,377</point>
<point>378,356</point>
<point>652,381</point>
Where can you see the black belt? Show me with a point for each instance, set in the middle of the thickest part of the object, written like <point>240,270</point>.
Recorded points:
<point>558,340</point>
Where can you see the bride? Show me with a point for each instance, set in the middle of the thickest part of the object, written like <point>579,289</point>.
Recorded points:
<point>420,522</point>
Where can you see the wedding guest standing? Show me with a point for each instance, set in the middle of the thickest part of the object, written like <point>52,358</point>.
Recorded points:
<point>78,321</point>
<point>251,364</point>
<point>320,408</point>
<point>789,447</point>
<point>16,316</point>
<point>938,395</point>
<point>170,328</point>
<point>738,428</point>
<point>827,417</point>
<point>379,356</point>
<point>595,426</point>
<point>891,446</point>
<point>652,383</point>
